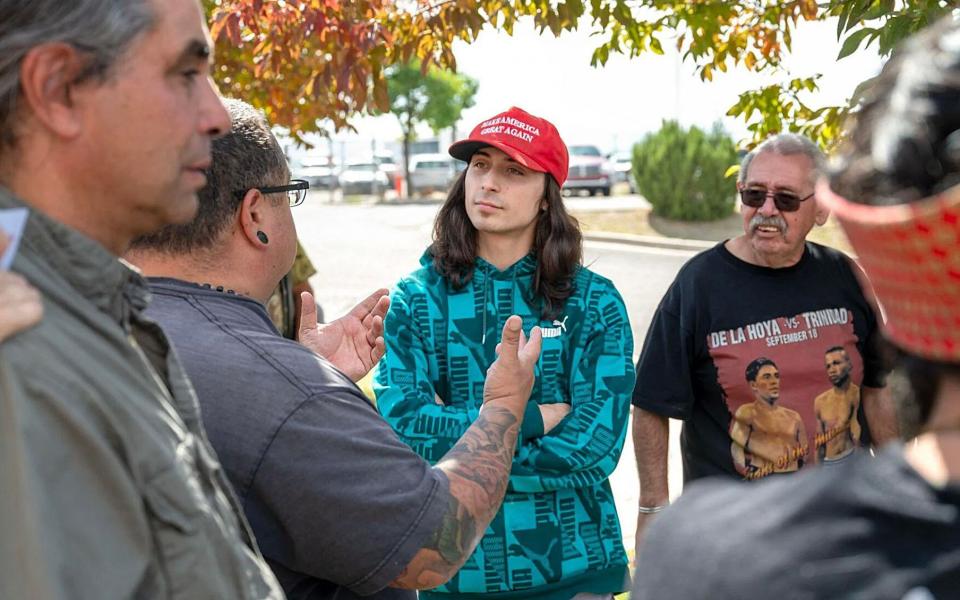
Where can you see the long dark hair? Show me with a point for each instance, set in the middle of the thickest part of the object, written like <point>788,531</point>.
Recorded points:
<point>557,245</point>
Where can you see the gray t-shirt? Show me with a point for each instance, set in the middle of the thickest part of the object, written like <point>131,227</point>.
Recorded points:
<point>338,504</point>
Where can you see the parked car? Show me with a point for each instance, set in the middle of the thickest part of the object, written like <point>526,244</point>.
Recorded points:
<point>387,164</point>
<point>588,170</point>
<point>319,171</point>
<point>622,165</point>
<point>432,172</point>
<point>364,178</point>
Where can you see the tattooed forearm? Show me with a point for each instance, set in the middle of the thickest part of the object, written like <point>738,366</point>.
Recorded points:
<point>455,534</point>
<point>479,465</point>
<point>484,454</point>
<point>478,468</point>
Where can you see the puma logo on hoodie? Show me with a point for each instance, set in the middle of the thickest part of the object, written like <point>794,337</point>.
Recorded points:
<point>552,332</point>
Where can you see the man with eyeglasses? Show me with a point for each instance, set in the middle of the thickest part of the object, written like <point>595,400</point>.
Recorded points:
<point>770,293</point>
<point>341,508</point>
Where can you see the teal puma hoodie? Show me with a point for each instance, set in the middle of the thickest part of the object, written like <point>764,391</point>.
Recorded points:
<point>557,532</point>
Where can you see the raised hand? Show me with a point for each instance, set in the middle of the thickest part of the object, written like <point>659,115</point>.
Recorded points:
<point>354,342</point>
<point>510,377</point>
<point>20,305</point>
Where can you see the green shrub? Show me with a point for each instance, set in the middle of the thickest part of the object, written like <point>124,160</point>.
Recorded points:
<point>681,172</point>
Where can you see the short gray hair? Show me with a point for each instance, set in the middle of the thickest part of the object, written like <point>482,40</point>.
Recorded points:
<point>101,29</point>
<point>786,144</point>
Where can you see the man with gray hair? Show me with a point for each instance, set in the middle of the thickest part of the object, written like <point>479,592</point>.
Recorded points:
<point>768,292</point>
<point>108,485</point>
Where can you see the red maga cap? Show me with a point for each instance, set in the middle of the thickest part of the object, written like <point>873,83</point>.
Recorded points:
<point>911,254</point>
<point>531,141</point>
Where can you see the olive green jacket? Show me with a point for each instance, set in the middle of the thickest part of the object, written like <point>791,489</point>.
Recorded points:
<point>108,486</point>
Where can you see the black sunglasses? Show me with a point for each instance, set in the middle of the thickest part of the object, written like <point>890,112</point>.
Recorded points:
<point>296,191</point>
<point>784,201</point>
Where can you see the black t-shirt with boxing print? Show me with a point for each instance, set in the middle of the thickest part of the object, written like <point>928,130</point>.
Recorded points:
<point>764,365</point>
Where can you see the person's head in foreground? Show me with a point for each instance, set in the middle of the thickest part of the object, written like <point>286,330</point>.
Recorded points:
<point>507,203</point>
<point>894,190</point>
<point>110,488</point>
<point>107,112</point>
<point>243,237</point>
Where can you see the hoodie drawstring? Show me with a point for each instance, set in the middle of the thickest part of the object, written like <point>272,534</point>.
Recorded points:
<point>486,295</point>
<point>513,295</point>
<point>486,285</point>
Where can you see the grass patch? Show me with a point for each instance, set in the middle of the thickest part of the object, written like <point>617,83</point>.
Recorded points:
<point>366,386</point>
<point>357,198</point>
<point>635,222</point>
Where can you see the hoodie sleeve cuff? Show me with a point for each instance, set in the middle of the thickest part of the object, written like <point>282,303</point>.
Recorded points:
<point>532,421</point>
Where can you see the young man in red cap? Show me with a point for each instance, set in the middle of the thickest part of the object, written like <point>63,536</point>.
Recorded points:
<point>504,244</point>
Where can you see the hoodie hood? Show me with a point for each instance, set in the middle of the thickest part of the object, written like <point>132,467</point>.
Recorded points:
<point>525,267</point>
<point>519,275</point>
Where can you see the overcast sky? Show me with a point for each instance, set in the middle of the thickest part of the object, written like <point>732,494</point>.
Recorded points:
<point>615,105</point>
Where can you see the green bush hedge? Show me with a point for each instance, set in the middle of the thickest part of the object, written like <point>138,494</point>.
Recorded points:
<point>681,172</point>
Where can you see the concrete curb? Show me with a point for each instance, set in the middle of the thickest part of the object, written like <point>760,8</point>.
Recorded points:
<point>649,241</point>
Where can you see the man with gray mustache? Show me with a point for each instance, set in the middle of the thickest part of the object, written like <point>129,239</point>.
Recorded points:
<point>770,293</point>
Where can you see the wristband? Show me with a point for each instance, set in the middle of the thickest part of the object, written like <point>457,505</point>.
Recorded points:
<point>649,510</point>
